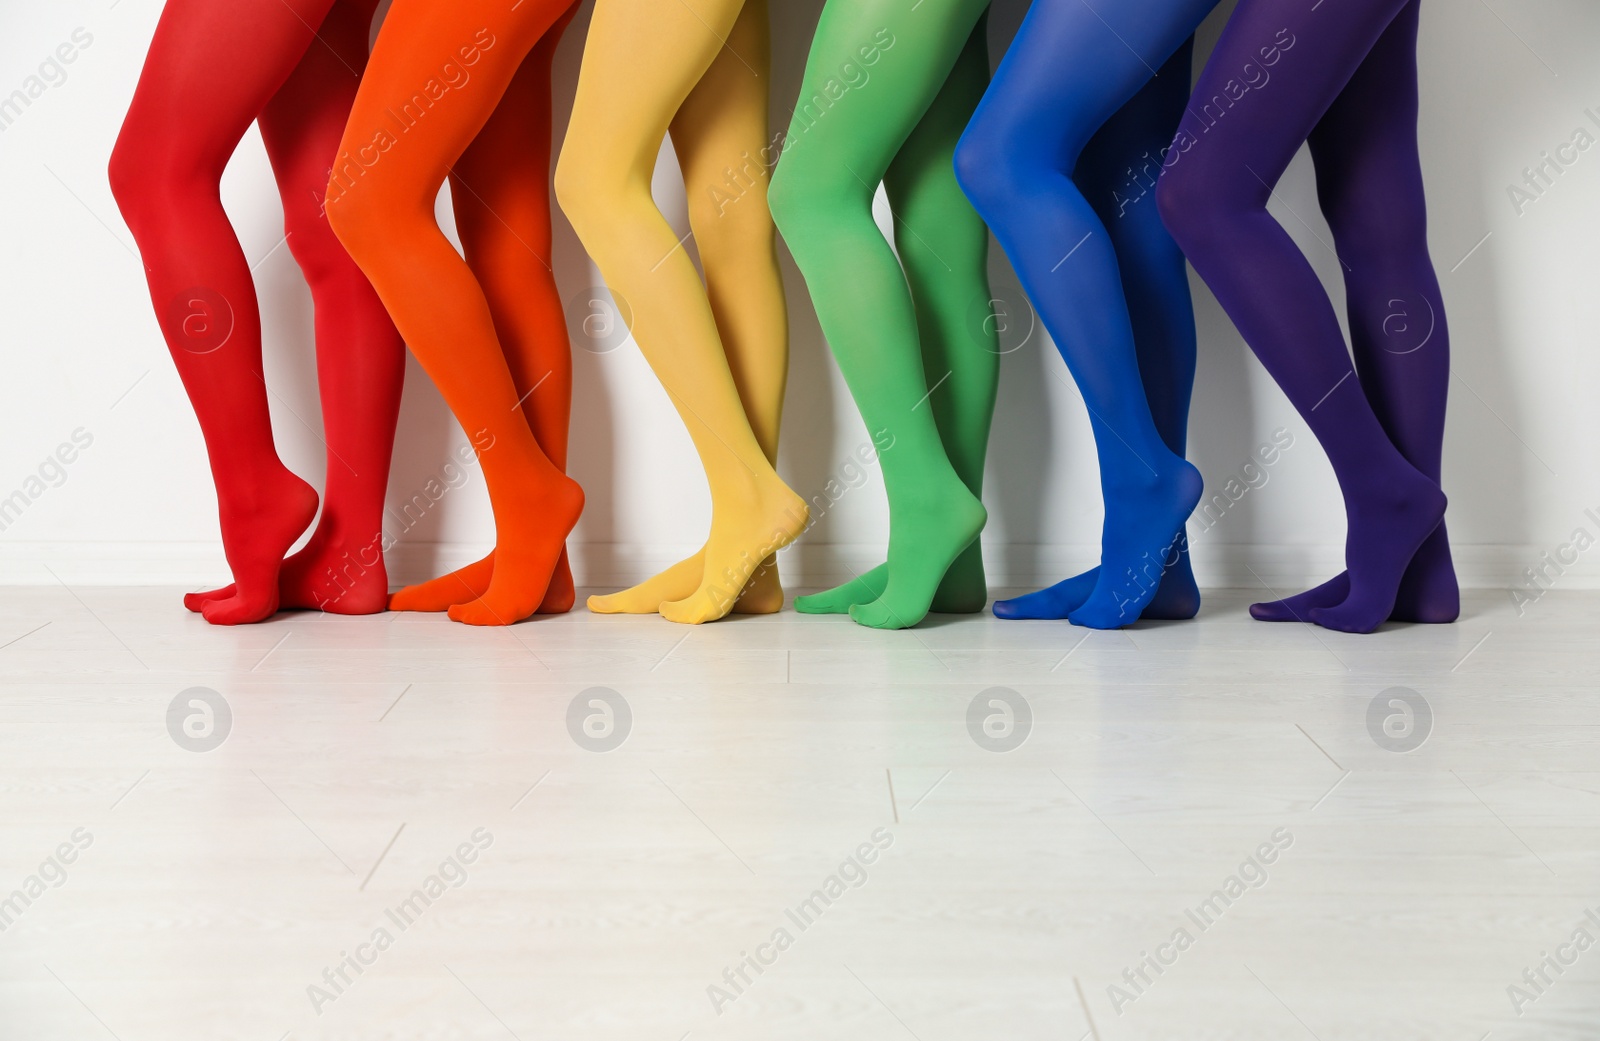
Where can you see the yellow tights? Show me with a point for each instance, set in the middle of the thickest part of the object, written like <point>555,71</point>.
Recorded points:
<point>699,70</point>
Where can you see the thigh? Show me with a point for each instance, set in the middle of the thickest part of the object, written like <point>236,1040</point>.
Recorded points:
<point>437,73</point>
<point>642,60</point>
<point>874,70</point>
<point>1368,137</point>
<point>1272,78</point>
<point>213,68</point>
<point>1073,66</point>
<point>722,124</point>
<point>926,160</point>
<point>500,184</point>
<point>302,124</point>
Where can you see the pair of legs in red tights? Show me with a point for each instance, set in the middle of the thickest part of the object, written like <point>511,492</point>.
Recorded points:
<point>461,92</point>
<point>293,66</point>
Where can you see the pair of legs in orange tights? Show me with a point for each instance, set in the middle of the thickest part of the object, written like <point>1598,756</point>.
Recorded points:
<point>462,91</point>
<point>292,66</point>
<point>699,71</point>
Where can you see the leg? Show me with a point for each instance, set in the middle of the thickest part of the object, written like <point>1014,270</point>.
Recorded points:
<point>1235,144</point>
<point>500,189</point>
<point>1397,320</point>
<point>437,74</point>
<point>1116,174</point>
<point>1067,74</point>
<point>211,71</point>
<point>641,63</point>
<point>944,249</point>
<point>360,359</point>
<point>723,127</point>
<point>843,142</point>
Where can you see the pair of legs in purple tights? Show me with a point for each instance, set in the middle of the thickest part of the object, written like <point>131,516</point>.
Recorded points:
<point>1348,84</point>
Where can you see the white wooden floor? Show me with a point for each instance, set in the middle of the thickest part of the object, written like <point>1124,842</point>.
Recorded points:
<point>209,891</point>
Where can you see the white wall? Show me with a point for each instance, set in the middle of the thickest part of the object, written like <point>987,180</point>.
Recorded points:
<point>1499,86</point>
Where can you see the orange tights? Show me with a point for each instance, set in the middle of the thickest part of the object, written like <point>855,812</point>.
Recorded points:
<point>462,91</point>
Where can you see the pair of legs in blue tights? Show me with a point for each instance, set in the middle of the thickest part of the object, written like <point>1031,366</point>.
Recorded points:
<point>1059,160</point>
<point>1343,77</point>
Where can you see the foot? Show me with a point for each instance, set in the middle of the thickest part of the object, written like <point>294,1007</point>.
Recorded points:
<point>1429,593</point>
<point>1386,529</point>
<point>763,594</point>
<point>767,518</point>
<point>440,594</point>
<point>532,521</point>
<point>863,589</point>
<point>330,574</point>
<point>964,590</point>
<point>469,583</point>
<point>1139,544</point>
<point>927,534</point>
<point>1177,597</point>
<point>255,536</point>
<point>1297,608</point>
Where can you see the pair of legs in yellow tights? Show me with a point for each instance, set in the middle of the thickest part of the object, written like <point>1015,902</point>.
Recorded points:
<point>699,70</point>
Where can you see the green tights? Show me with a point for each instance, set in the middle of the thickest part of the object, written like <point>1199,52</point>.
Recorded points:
<point>889,88</point>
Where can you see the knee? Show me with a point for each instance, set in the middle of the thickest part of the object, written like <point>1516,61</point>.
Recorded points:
<point>732,220</point>
<point>1198,206</point>
<point>986,169</point>
<point>362,212</point>
<point>149,179</point>
<point>581,188</point>
<point>809,206</point>
<point>312,241</point>
<point>126,173</point>
<point>997,166</point>
<point>787,199</point>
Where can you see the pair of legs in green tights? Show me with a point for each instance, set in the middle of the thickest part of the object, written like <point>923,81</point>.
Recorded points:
<point>889,87</point>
